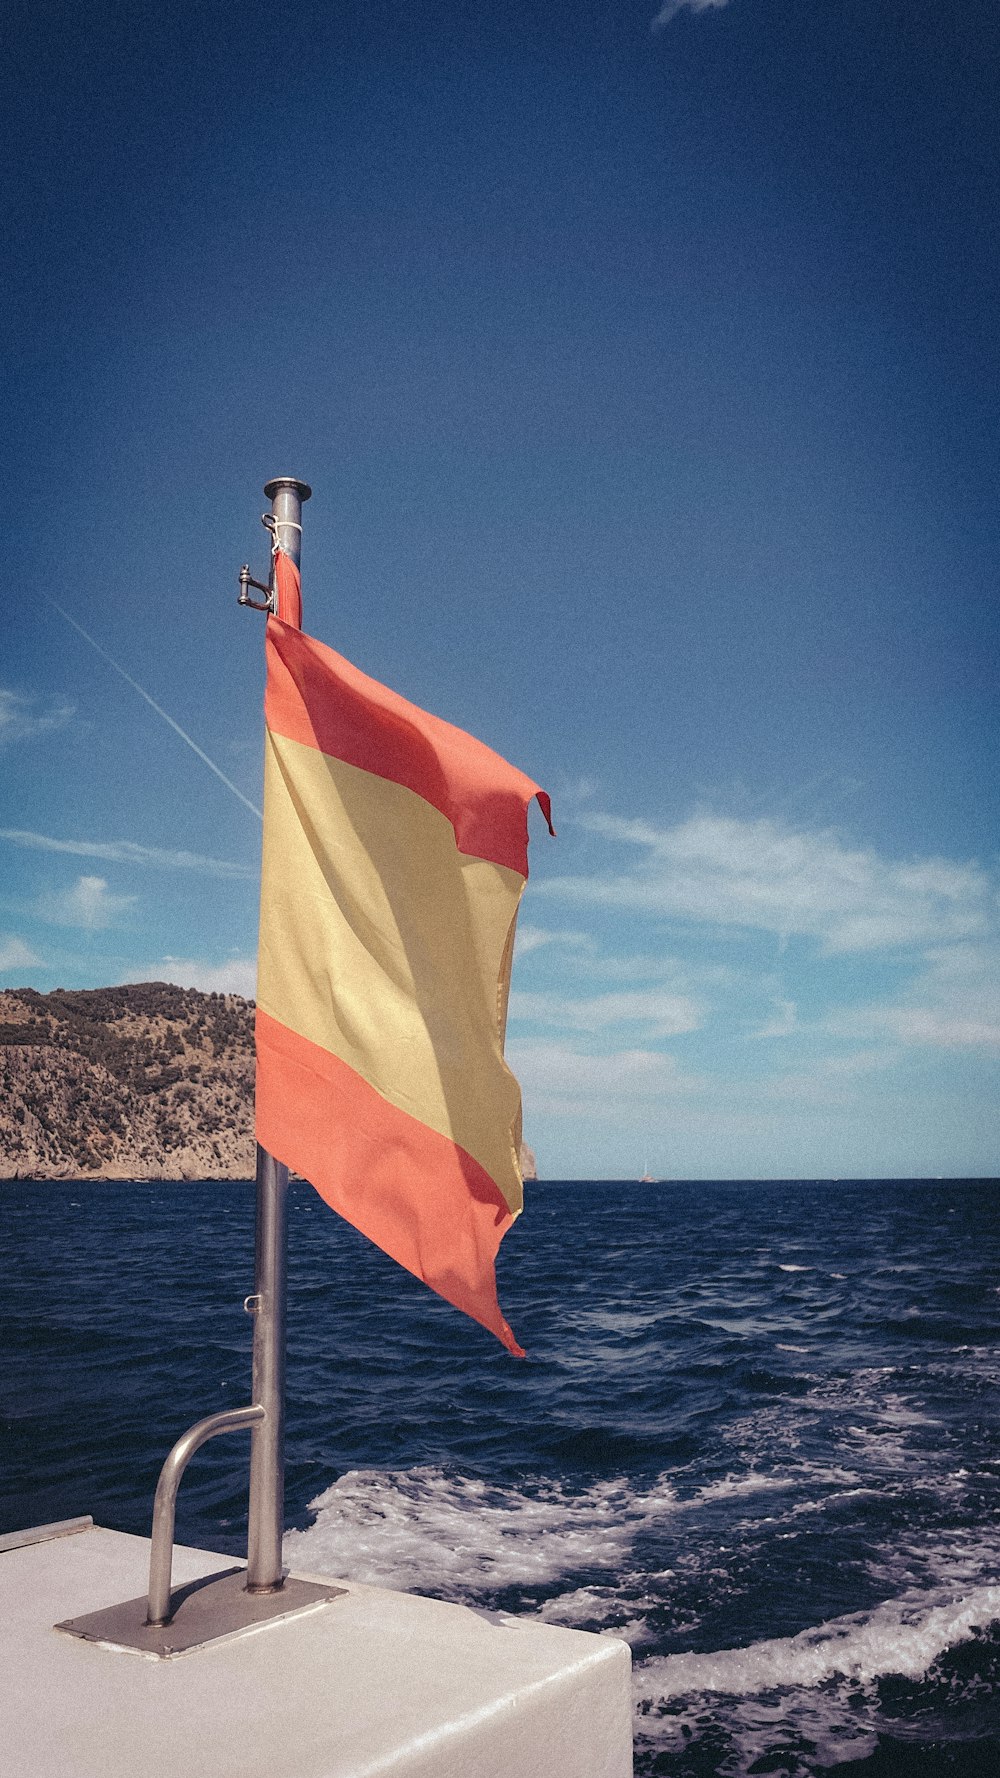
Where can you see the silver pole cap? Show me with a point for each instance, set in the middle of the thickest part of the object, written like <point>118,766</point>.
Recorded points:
<point>302,489</point>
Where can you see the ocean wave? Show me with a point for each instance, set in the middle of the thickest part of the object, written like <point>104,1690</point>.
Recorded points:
<point>827,1695</point>
<point>902,1637</point>
<point>733,1487</point>
<point>619,1610</point>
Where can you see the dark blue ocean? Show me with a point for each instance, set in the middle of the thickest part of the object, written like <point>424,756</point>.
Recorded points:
<point>757,1434</point>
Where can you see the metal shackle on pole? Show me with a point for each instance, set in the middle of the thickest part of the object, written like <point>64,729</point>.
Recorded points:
<point>267,1438</point>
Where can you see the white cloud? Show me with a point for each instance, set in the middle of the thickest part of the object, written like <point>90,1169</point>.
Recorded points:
<point>684,975</point>
<point>15,955</point>
<point>238,975</point>
<point>664,1014</point>
<point>580,958</point>
<point>769,876</point>
<point>561,1081</point>
<point>673,7</point>
<point>833,1080</point>
<point>782,1023</point>
<point>532,938</point>
<point>25,717</point>
<point>568,792</point>
<point>89,904</point>
<point>127,852</point>
<point>927,1025</point>
<point>954,1003</point>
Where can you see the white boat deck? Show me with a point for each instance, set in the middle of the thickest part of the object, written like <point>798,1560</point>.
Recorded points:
<point>371,1683</point>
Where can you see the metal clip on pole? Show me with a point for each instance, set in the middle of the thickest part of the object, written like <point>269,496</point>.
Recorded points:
<point>288,495</point>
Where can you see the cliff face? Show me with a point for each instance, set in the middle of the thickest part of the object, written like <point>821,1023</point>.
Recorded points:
<point>142,1082</point>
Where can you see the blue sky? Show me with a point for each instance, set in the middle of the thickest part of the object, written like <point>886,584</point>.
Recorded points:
<point>644,365</point>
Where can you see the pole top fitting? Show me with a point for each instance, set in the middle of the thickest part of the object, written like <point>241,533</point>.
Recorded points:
<point>302,489</point>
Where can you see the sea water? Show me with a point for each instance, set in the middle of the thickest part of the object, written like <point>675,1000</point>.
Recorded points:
<point>756,1435</point>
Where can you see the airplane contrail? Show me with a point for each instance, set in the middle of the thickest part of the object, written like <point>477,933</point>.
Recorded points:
<point>105,656</point>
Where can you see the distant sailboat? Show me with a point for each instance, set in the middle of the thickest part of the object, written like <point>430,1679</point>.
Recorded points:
<point>646,1177</point>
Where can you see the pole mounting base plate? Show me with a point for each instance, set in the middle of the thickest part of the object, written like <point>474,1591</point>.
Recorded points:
<point>204,1611</point>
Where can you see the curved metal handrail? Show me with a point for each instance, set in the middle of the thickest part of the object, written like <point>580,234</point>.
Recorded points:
<point>161,1553</point>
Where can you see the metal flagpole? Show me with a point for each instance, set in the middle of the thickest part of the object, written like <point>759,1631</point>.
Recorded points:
<point>267,1436</point>
<point>265,1416</point>
<point>166,1622</point>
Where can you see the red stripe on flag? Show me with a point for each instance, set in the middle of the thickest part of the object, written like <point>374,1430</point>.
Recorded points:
<point>416,1194</point>
<point>318,698</point>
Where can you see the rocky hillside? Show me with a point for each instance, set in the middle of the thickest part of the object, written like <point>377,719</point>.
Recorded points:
<point>142,1082</point>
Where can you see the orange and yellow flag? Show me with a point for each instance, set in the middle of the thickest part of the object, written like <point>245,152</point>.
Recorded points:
<point>395,855</point>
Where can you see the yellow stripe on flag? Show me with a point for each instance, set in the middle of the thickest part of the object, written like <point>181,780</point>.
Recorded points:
<point>385,946</point>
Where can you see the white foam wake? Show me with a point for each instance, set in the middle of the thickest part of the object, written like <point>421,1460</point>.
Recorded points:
<point>456,1536</point>
<point>902,1636</point>
<point>423,1529</point>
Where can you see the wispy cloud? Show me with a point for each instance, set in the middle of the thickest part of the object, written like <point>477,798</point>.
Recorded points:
<point>953,1004</point>
<point>769,876</point>
<point>15,955</point>
<point>561,1080</point>
<point>664,1015</point>
<point>570,791</point>
<point>89,904</point>
<point>929,1025</point>
<point>673,7</point>
<point>127,852</point>
<point>782,1023</point>
<point>846,1080</point>
<point>532,938</point>
<point>237,975</point>
<point>24,717</point>
<point>650,968</point>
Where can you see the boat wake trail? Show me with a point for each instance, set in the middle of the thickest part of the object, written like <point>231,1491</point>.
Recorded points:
<point>645,1563</point>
